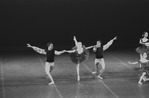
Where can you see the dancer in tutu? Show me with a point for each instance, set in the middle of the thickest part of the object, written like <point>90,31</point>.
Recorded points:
<point>50,52</point>
<point>99,51</point>
<point>78,54</point>
<point>144,68</point>
<point>144,44</point>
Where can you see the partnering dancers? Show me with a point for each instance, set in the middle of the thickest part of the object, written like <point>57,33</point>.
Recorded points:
<point>99,59</point>
<point>50,52</point>
<point>78,54</point>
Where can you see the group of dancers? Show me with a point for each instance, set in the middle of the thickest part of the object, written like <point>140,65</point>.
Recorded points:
<point>143,50</point>
<point>78,54</point>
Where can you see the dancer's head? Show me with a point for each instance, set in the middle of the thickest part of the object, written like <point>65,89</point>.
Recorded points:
<point>79,44</point>
<point>50,45</point>
<point>98,43</point>
<point>145,34</point>
<point>144,55</point>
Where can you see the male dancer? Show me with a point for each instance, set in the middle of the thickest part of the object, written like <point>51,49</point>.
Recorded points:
<point>99,51</point>
<point>50,52</point>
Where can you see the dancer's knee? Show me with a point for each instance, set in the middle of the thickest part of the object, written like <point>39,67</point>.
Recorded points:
<point>103,66</point>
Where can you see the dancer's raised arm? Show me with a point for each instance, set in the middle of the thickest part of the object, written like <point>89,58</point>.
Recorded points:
<point>109,43</point>
<point>76,42</point>
<point>39,50</point>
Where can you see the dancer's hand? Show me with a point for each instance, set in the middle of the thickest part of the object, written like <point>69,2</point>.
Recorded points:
<point>63,51</point>
<point>129,62</point>
<point>115,38</point>
<point>28,45</point>
<point>74,38</point>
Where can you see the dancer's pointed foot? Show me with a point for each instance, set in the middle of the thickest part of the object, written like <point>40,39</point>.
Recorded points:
<point>140,83</point>
<point>99,77</point>
<point>51,83</point>
<point>94,72</point>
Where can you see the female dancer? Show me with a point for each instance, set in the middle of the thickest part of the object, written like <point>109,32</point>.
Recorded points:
<point>99,51</point>
<point>144,68</point>
<point>50,52</point>
<point>145,44</point>
<point>78,54</point>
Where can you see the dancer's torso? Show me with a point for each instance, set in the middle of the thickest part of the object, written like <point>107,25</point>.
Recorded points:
<point>99,52</point>
<point>50,55</point>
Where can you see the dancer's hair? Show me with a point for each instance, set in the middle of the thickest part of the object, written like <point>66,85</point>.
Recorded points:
<point>48,44</point>
<point>144,33</point>
<point>99,41</point>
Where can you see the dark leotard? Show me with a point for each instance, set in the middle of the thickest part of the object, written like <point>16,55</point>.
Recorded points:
<point>79,58</point>
<point>143,48</point>
<point>99,52</point>
<point>50,55</point>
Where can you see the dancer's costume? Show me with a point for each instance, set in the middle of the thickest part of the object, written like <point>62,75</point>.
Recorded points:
<point>99,52</point>
<point>79,58</point>
<point>144,68</point>
<point>50,55</point>
<point>143,48</point>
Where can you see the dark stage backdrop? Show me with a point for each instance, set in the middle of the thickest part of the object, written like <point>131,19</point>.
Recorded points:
<point>40,21</point>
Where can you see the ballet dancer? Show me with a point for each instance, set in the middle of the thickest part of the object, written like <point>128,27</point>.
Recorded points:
<point>78,54</point>
<point>144,68</point>
<point>99,58</point>
<point>50,53</point>
<point>144,41</point>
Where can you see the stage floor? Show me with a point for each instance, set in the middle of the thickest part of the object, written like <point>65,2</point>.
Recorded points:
<point>22,75</point>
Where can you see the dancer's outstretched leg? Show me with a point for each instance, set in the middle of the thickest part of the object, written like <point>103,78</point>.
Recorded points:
<point>78,76</point>
<point>48,69</point>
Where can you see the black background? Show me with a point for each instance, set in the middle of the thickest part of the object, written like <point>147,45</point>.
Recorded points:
<point>40,21</point>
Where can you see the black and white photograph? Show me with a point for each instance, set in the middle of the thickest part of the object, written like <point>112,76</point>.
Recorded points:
<point>74,48</point>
